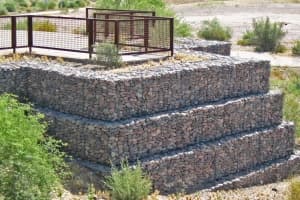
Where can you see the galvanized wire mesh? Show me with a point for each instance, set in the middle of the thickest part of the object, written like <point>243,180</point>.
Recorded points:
<point>21,31</point>
<point>5,33</point>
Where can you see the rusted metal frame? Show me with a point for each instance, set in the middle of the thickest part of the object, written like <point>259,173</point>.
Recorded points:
<point>142,46</point>
<point>60,49</point>
<point>117,33</point>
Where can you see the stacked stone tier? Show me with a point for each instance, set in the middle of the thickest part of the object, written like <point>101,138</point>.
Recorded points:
<point>105,142</point>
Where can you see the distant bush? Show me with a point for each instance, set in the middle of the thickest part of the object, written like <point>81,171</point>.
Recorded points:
<point>10,5</point>
<point>265,35</point>
<point>280,48</point>
<point>44,25</point>
<point>46,5</point>
<point>31,164</point>
<point>294,190</point>
<point>108,54</point>
<point>128,183</point>
<point>3,10</point>
<point>182,29</point>
<point>72,3</point>
<point>213,30</point>
<point>296,48</point>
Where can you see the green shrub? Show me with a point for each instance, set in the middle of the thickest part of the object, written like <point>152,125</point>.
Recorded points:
<point>266,35</point>
<point>213,30</point>
<point>108,54</point>
<point>10,6</point>
<point>46,5</point>
<point>31,164</point>
<point>182,29</point>
<point>3,10</point>
<point>280,48</point>
<point>128,183</point>
<point>296,48</point>
<point>21,25</point>
<point>294,190</point>
<point>248,39</point>
<point>44,25</point>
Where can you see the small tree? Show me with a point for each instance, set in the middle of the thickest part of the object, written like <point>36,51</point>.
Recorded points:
<point>213,30</point>
<point>128,183</point>
<point>108,54</point>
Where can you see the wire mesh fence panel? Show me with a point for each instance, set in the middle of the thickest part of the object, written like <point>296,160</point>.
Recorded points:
<point>60,33</point>
<point>21,31</point>
<point>159,34</point>
<point>5,32</point>
<point>104,31</point>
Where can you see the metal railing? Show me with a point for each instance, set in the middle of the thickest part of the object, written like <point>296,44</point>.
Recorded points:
<point>131,33</point>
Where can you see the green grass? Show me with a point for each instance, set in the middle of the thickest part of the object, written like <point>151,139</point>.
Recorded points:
<point>294,190</point>
<point>296,48</point>
<point>288,80</point>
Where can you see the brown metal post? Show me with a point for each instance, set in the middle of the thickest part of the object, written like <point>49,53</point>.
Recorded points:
<point>30,34</point>
<point>131,26</point>
<point>146,34</point>
<point>106,26</point>
<point>172,36</point>
<point>90,36</point>
<point>14,33</point>
<point>117,33</point>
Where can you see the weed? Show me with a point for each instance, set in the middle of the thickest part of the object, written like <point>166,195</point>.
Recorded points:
<point>296,48</point>
<point>128,183</point>
<point>213,30</point>
<point>108,55</point>
<point>91,192</point>
<point>247,39</point>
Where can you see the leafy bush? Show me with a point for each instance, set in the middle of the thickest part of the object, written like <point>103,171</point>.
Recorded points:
<point>128,183</point>
<point>44,25</point>
<point>108,55</point>
<point>72,4</point>
<point>31,164</point>
<point>294,190</point>
<point>46,5</point>
<point>265,36</point>
<point>10,6</point>
<point>296,48</point>
<point>213,30</point>
<point>182,29</point>
<point>280,48</point>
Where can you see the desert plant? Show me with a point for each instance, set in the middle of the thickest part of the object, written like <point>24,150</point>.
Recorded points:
<point>296,48</point>
<point>31,164</point>
<point>46,5</point>
<point>213,30</point>
<point>128,183</point>
<point>267,35</point>
<point>280,49</point>
<point>91,192</point>
<point>108,54</point>
<point>182,29</point>
<point>294,190</point>
<point>44,25</point>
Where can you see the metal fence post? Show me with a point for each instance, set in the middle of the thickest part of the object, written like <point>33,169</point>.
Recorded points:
<point>30,34</point>
<point>14,33</point>
<point>131,26</point>
<point>146,34</point>
<point>117,33</point>
<point>172,36</point>
<point>90,28</point>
